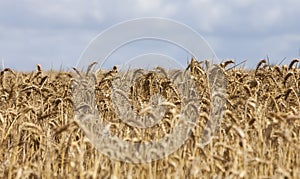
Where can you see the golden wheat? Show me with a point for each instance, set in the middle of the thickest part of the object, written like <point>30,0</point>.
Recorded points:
<point>259,136</point>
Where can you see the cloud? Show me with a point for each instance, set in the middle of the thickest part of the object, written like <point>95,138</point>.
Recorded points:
<point>48,32</point>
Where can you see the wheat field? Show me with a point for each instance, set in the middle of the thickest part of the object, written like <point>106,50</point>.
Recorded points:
<point>259,135</point>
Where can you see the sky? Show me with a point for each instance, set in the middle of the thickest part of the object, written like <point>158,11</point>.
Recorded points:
<point>55,33</point>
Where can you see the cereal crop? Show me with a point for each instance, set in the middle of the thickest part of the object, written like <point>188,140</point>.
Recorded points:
<point>259,135</point>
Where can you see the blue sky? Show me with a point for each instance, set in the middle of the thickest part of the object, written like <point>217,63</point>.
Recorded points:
<point>54,33</point>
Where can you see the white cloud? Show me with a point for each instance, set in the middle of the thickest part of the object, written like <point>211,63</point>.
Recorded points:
<point>47,30</point>
<point>148,6</point>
